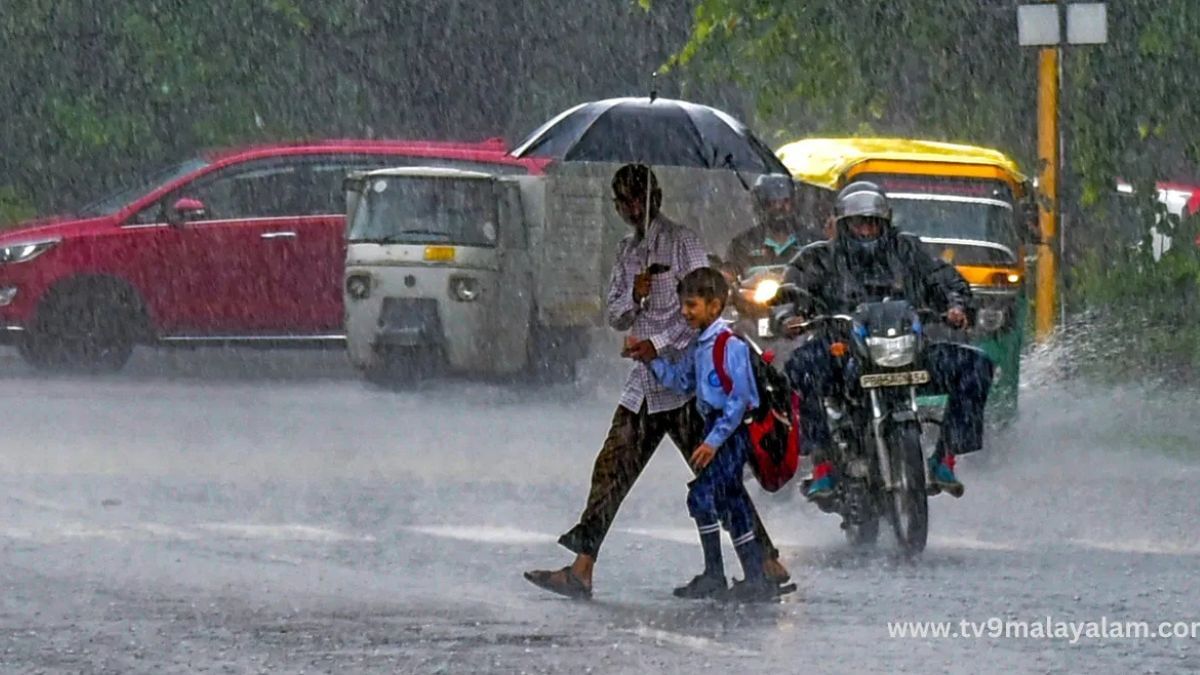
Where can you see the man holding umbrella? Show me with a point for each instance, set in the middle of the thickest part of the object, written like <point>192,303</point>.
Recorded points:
<point>642,299</point>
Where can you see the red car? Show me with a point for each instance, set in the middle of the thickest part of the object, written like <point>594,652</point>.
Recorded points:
<point>235,246</point>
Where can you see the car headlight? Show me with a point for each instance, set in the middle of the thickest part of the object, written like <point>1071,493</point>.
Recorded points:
<point>892,352</point>
<point>765,291</point>
<point>464,289</point>
<point>25,251</point>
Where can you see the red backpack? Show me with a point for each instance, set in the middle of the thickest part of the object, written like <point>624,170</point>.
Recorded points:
<point>774,425</point>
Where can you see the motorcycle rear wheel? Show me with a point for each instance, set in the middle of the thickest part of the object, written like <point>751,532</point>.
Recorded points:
<point>910,502</point>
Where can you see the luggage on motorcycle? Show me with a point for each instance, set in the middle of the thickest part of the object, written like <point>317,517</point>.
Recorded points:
<point>774,425</point>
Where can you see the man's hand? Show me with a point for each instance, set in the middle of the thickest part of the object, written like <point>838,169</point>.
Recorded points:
<point>641,286</point>
<point>956,317</point>
<point>702,456</point>
<point>643,351</point>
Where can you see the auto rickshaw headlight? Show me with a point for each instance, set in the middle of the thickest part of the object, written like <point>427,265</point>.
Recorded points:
<point>464,289</point>
<point>765,291</point>
<point>990,319</point>
<point>358,287</point>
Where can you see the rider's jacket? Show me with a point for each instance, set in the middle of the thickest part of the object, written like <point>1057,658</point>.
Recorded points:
<point>837,277</point>
<point>757,248</point>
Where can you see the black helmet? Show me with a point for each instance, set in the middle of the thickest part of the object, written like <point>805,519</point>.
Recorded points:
<point>774,195</point>
<point>772,187</point>
<point>862,198</point>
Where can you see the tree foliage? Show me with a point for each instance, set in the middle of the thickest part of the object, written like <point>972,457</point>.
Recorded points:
<point>952,69</point>
<point>93,92</point>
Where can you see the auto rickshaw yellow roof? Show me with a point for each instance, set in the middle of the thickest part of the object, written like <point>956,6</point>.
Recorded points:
<point>826,161</point>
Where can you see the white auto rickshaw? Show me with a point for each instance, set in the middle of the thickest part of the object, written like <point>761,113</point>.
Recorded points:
<point>491,275</point>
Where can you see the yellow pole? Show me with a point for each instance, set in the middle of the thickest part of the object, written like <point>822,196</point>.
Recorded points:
<point>1047,264</point>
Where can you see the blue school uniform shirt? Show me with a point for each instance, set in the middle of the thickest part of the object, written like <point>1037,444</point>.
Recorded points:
<point>694,373</point>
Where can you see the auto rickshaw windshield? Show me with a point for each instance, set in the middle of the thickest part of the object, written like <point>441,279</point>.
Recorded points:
<point>419,210</point>
<point>983,220</point>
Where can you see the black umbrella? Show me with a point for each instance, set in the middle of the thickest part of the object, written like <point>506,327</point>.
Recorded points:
<point>654,131</point>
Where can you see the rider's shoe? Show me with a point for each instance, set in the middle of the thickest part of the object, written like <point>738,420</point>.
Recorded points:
<point>820,487</point>
<point>703,586</point>
<point>941,474</point>
<point>757,590</point>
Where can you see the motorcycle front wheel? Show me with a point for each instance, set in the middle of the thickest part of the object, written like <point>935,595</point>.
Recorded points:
<point>860,519</point>
<point>910,502</point>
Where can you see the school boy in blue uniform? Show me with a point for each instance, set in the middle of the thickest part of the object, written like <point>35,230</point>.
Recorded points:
<point>717,493</point>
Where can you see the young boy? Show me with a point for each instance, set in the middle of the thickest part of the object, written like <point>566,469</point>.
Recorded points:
<point>717,493</point>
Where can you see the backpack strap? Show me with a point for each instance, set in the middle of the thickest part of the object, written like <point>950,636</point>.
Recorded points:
<point>719,361</point>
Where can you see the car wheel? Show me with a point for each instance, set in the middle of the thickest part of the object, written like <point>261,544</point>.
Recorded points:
<point>85,327</point>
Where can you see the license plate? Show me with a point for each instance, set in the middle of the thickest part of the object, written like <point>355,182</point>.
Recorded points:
<point>764,327</point>
<point>894,379</point>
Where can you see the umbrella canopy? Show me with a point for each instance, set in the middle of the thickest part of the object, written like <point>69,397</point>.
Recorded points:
<point>659,131</point>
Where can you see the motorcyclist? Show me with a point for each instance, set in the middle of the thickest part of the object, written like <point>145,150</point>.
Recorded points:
<point>866,261</point>
<point>785,221</point>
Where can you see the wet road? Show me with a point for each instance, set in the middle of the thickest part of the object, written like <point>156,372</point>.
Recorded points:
<point>271,514</point>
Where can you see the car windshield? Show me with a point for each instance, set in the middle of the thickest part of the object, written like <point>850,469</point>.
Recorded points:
<point>983,220</point>
<point>420,210</point>
<point>141,187</point>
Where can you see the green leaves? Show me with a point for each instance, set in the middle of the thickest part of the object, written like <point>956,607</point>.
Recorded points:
<point>951,69</point>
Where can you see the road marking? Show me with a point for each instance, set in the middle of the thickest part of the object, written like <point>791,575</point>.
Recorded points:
<point>689,536</point>
<point>1136,546</point>
<point>282,532</point>
<point>677,535</point>
<point>692,642</point>
<point>484,533</point>
<point>972,543</point>
<point>143,531</point>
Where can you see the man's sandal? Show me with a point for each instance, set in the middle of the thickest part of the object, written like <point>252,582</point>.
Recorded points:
<point>566,584</point>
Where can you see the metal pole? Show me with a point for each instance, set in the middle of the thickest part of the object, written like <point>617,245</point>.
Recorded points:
<point>1048,156</point>
<point>1062,219</point>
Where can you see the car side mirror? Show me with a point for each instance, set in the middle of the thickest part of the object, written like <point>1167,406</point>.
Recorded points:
<point>186,209</point>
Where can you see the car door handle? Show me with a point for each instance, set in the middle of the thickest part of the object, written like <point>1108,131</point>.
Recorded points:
<point>279,235</point>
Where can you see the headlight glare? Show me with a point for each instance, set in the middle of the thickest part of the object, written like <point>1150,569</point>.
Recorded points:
<point>765,291</point>
<point>25,251</point>
<point>892,352</point>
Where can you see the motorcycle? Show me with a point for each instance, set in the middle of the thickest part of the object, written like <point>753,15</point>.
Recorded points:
<point>754,289</point>
<point>875,420</point>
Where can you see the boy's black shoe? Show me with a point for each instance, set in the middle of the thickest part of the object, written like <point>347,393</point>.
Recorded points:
<point>703,586</point>
<point>759,590</point>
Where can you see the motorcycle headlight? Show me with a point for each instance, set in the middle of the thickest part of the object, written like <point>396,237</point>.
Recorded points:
<point>765,291</point>
<point>893,352</point>
<point>25,251</point>
<point>464,289</point>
